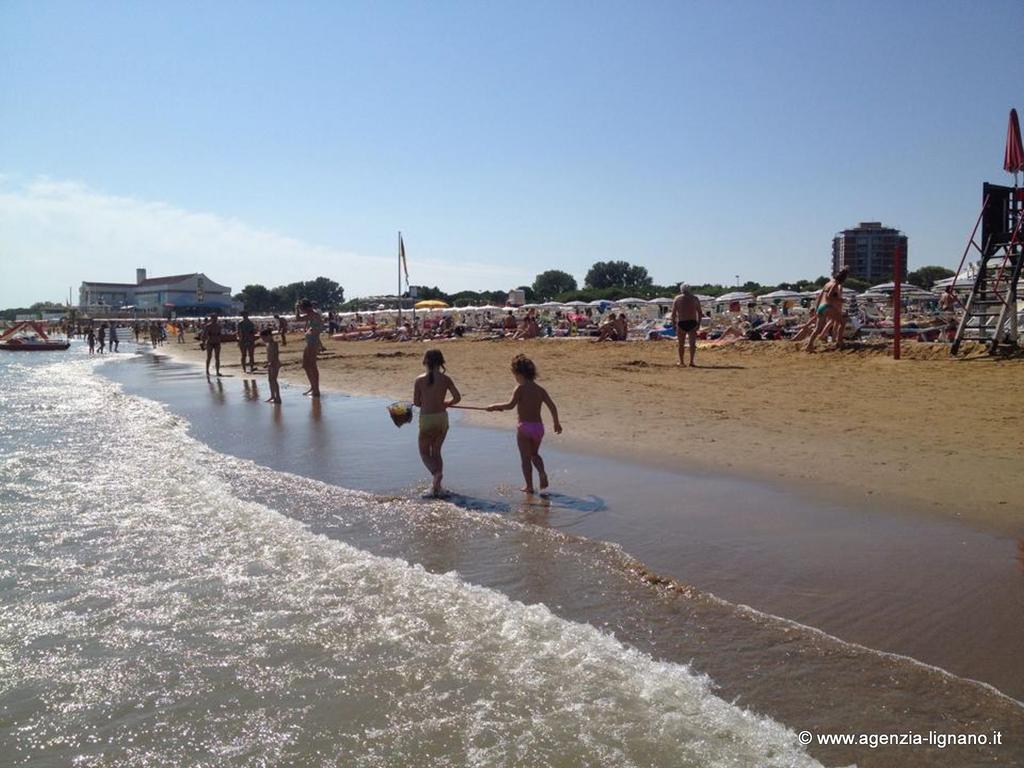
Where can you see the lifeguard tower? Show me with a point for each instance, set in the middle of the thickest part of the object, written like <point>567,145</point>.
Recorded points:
<point>990,314</point>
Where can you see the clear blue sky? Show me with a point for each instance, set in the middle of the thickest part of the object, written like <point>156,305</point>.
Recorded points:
<point>270,142</point>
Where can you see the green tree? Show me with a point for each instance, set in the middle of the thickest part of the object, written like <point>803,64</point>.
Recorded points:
<point>326,293</point>
<point>553,282</point>
<point>283,298</point>
<point>256,298</point>
<point>621,274</point>
<point>925,277</point>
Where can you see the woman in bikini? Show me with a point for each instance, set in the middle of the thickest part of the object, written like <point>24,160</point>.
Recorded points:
<point>428,394</point>
<point>305,310</point>
<point>527,398</point>
<point>829,311</point>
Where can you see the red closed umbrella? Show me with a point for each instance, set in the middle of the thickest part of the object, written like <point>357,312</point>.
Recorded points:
<point>1013,160</point>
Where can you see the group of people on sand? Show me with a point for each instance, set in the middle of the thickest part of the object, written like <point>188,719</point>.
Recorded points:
<point>828,318</point>
<point>212,333</point>
<point>434,392</point>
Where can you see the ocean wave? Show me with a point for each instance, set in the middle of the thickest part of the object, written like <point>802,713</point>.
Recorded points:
<point>152,615</point>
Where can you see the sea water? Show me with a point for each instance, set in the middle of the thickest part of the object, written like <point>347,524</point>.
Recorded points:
<point>152,617</point>
<point>163,603</point>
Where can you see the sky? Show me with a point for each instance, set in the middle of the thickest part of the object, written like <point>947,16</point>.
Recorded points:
<point>270,142</point>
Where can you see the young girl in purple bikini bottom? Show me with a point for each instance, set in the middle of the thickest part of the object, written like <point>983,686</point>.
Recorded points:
<point>527,398</point>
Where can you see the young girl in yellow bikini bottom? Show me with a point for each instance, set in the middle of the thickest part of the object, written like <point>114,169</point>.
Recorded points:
<point>434,423</point>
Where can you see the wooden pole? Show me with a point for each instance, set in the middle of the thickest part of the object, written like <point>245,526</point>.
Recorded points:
<point>897,268</point>
<point>399,278</point>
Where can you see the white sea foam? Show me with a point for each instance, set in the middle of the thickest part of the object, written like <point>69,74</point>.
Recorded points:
<point>151,617</point>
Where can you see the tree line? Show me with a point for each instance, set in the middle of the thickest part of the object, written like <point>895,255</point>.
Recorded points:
<point>614,280</point>
<point>609,280</point>
<point>262,300</point>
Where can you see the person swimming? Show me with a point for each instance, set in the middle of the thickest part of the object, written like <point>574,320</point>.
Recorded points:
<point>428,394</point>
<point>527,398</point>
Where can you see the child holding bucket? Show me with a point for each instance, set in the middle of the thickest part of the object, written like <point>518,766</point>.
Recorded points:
<point>429,394</point>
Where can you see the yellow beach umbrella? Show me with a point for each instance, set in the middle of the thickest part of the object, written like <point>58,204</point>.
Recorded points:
<point>430,304</point>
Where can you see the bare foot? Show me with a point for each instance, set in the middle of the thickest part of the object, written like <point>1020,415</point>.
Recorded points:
<point>527,489</point>
<point>308,391</point>
<point>436,488</point>
<point>693,365</point>
<point>543,480</point>
<point>270,400</point>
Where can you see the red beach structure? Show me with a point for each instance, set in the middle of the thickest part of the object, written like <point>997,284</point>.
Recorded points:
<point>990,314</point>
<point>15,339</point>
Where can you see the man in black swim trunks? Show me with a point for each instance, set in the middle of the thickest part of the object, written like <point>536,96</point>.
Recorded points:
<point>211,335</point>
<point>686,315</point>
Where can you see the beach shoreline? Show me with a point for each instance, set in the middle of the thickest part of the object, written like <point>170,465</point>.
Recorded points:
<point>856,424</point>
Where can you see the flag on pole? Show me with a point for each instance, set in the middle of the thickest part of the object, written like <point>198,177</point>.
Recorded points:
<point>401,254</point>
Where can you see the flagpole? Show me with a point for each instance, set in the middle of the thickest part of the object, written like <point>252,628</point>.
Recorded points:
<point>399,277</point>
<point>897,263</point>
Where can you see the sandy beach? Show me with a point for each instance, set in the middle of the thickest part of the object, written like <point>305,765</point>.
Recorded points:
<point>921,434</point>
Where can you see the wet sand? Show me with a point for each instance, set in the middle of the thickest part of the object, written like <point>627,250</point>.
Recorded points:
<point>932,589</point>
<point>926,434</point>
<point>865,571</point>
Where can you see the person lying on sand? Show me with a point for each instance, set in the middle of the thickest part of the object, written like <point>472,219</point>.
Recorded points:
<point>527,398</point>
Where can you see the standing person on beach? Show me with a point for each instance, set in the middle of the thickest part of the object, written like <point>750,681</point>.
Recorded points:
<point>686,315</point>
<point>247,341</point>
<point>90,337</point>
<point>829,310</point>
<point>282,327</point>
<point>527,398</point>
<point>211,336</point>
<point>305,310</point>
<point>102,337</point>
<point>428,394</point>
<point>273,365</point>
<point>113,337</point>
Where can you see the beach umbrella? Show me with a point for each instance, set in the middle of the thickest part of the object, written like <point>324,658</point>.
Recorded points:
<point>598,302</point>
<point>781,295</point>
<point>630,301</point>
<point>665,302</point>
<point>430,304</point>
<point>576,303</point>
<point>728,298</point>
<point>1013,159</point>
<point>907,289</point>
<point>552,304</point>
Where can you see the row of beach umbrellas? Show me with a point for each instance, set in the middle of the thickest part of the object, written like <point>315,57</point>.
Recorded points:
<point>881,291</point>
